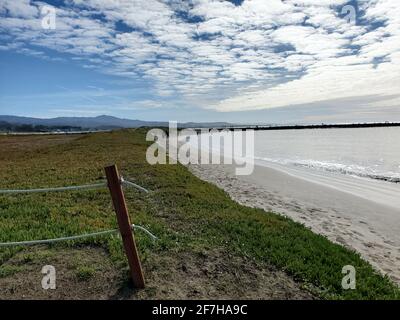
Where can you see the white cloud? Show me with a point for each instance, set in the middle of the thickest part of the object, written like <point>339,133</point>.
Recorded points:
<point>18,9</point>
<point>336,72</point>
<point>322,84</point>
<point>261,54</point>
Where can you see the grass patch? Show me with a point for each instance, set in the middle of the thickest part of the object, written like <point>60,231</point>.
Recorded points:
<point>186,214</point>
<point>7,270</point>
<point>85,273</point>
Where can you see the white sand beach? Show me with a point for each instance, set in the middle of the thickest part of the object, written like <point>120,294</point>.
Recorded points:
<point>346,216</point>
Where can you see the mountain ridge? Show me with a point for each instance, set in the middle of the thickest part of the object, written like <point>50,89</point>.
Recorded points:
<point>98,122</point>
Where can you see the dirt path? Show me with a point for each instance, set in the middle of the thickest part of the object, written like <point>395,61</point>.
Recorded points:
<point>87,273</point>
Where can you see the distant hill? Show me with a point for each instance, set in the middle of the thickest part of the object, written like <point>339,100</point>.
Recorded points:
<point>102,122</point>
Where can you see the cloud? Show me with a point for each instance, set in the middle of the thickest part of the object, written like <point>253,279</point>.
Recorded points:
<point>18,9</point>
<point>214,54</point>
<point>336,70</point>
<point>322,83</point>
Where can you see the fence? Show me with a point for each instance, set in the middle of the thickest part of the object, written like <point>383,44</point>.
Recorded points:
<point>114,184</point>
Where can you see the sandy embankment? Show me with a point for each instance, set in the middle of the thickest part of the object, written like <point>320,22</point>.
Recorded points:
<point>370,228</point>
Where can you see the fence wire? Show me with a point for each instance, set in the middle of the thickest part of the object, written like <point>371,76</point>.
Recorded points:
<point>82,236</point>
<point>72,188</point>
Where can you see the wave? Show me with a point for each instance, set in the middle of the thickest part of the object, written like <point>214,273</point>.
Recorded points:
<point>354,170</point>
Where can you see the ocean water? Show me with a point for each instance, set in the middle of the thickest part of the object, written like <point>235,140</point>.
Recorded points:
<point>364,162</point>
<point>371,153</point>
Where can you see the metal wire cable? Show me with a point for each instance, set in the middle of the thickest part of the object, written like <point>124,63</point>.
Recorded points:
<point>131,184</point>
<point>70,188</point>
<point>86,235</point>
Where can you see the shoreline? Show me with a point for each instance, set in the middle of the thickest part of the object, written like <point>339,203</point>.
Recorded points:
<point>364,226</point>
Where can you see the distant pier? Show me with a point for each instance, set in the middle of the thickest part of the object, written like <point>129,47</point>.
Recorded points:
<point>302,127</point>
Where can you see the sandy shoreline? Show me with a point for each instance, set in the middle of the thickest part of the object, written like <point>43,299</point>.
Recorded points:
<point>368,227</point>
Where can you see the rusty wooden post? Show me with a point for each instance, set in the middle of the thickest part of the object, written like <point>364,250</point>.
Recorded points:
<point>118,198</point>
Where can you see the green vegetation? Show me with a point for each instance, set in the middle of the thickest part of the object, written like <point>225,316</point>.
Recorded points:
<point>187,214</point>
<point>6,271</point>
<point>85,273</point>
<point>8,127</point>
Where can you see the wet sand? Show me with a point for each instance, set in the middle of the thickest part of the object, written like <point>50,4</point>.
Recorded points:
<point>369,227</point>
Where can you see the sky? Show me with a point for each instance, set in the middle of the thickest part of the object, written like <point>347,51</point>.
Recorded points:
<point>251,61</point>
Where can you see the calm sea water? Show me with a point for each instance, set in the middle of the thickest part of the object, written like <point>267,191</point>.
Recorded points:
<point>364,162</point>
<point>365,152</point>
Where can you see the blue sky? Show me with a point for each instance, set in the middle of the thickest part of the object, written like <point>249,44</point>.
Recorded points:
<point>202,60</point>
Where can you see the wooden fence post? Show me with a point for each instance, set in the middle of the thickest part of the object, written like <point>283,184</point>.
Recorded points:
<point>118,198</point>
